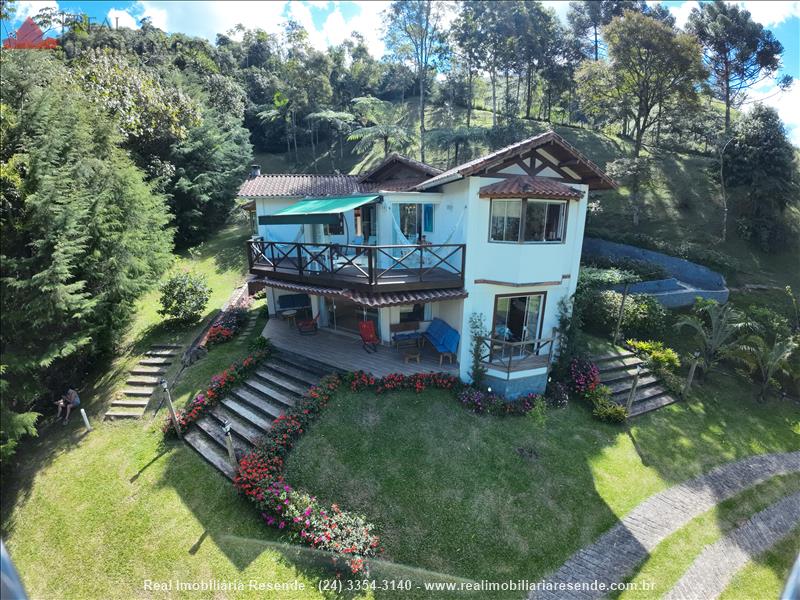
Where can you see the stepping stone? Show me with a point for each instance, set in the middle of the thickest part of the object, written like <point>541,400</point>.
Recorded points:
<point>121,414</point>
<point>162,352</point>
<point>139,391</point>
<point>209,451</point>
<point>155,361</point>
<point>148,370</point>
<point>143,380</point>
<point>131,402</point>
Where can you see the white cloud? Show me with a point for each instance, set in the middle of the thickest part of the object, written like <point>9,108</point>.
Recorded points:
<point>206,19</point>
<point>300,12</point>
<point>787,103</point>
<point>369,23</point>
<point>121,18</point>
<point>29,8</point>
<point>681,12</point>
<point>335,29</point>
<point>771,12</point>
<point>560,6</point>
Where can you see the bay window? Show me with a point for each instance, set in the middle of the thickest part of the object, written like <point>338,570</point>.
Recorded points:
<point>527,221</point>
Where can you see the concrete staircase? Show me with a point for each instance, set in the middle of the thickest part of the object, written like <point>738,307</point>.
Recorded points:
<point>617,371</point>
<point>142,381</point>
<point>249,410</point>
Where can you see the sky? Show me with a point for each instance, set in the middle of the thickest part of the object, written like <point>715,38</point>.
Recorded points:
<point>331,22</point>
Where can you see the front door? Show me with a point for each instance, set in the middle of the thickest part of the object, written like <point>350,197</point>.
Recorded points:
<point>345,315</point>
<point>517,321</point>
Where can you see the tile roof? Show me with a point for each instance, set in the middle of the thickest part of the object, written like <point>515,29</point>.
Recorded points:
<point>375,300</point>
<point>429,170</point>
<point>279,185</point>
<point>527,186</point>
<point>477,164</point>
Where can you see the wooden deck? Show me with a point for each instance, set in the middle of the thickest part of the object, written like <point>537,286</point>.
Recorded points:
<point>345,352</point>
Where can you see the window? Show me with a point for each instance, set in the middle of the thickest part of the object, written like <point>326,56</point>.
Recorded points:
<point>427,218</point>
<point>413,313</point>
<point>505,221</point>
<point>527,221</point>
<point>365,221</point>
<point>516,319</point>
<point>414,220</point>
<point>335,228</point>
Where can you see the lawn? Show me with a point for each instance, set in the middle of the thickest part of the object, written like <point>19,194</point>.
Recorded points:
<point>489,498</point>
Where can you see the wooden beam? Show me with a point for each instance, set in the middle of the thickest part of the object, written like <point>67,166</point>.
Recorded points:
<point>515,284</point>
<point>572,162</point>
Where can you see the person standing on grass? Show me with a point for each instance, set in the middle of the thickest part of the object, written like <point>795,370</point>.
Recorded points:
<point>69,401</point>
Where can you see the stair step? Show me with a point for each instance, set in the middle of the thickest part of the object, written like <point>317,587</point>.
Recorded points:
<point>314,367</point>
<point>161,352</point>
<point>622,386</point>
<point>248,414</point>
<point>156,361</point>
<point>641,394</point>
<point>269,392</point>
<point>143,380</point>
<point>258,402</point>
<point>165,346</point>
<point>292,372</point>
<point>214,430</point>
<point>148,370</point>
<point>619,364</point>
<point>642,407</point>
<point>131,402</point>
<point>609,377</point>
<point>601,358</point>
<point>122,414</point>
<point>282,382</point>
<point>209,451</point>
<point>139,391</point>
<point>243,430</point>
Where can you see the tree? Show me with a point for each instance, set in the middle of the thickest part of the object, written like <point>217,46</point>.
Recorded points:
<point>650,68</point>
<point>716,328</point>
<point>414,30</point>
<point>764,360</point>
<point>467,42</point>
<point>760,165</point>
<point>336,121</point>
<point>587,18</point>
<point>739,52</point>
<point>83,234</point>
<point>382,123</point>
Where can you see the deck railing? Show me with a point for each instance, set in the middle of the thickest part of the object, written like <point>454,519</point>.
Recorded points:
<point>396,266</point>
<point>509,356</point>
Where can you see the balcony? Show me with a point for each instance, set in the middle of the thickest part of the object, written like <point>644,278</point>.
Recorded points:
<point>364,268</point>
<point>509,356</point>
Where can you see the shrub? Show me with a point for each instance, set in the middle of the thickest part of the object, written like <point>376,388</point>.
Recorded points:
<point>478,334</point>
<point>644,270</point>
<point>484,403</point>
<point>557,395</point>
<point>184,296</point>
<point>603,407</point>
<point>659,357</point>
<point>584,376</point>
<point>771,323</point>
<point>643,316</point>
<point>219,334</point>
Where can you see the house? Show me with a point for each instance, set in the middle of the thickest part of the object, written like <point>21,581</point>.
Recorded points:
<point>406,244</point>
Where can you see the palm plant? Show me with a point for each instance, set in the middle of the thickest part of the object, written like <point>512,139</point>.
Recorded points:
<point>460,138</point>
<point>717,335</point>
<point>336,121</point>
<point>382,124</point>
<point>764,360</point>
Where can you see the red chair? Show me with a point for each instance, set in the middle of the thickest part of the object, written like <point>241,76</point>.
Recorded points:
<point>369,339</point>
<point>308,326</point>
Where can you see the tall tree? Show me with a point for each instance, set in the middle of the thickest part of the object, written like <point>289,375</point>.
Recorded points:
<point>650,66</point>
<point>415,31</point>
<point>467,43</point>
<point>587,18</point>
<point>382,124</point>
<point>739,52</point>
<point>760,165</point>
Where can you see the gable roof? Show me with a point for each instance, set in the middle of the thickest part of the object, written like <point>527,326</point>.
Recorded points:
<point>278,185</point>
<point>550,141</point>
<point>528,186</point>
<point>394,158</point>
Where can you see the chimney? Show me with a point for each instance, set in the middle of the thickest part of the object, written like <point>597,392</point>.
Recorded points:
<point>255,171</point>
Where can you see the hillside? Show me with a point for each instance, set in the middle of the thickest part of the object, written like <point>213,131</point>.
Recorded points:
<point>681,205</point>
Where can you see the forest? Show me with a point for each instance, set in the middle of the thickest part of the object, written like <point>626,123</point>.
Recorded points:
<point>123,146</point>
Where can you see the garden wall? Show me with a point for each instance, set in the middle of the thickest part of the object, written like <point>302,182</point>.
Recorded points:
<point>688,280</point>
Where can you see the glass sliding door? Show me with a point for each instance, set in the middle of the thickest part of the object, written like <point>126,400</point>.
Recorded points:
<point>517,321</point>
<point>345,315</point>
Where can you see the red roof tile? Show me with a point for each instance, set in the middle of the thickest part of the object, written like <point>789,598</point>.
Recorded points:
<point>366,299</point>
<point>300,186</point>
<point>527,186</point>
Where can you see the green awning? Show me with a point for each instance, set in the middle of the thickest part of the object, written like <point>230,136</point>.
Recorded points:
<point>316,210</point>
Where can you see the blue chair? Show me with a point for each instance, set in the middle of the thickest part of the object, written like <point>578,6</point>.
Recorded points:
<point>443,338</point>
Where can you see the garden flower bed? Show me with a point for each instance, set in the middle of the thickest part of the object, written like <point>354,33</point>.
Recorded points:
<point>228,323</point>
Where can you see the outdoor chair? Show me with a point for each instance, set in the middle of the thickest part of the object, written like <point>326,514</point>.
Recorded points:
<point>369,339</point>
<point>308,326</point>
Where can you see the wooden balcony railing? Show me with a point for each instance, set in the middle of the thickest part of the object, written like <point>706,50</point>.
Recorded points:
<point>509,356</point>
<point>372,268</point>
